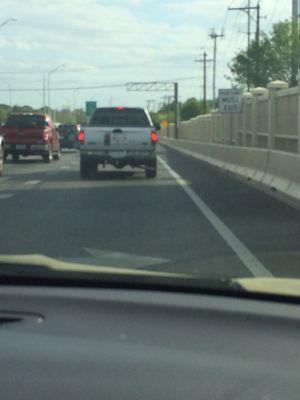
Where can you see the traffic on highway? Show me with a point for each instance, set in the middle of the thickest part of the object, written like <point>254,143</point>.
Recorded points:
<point>149,200</point>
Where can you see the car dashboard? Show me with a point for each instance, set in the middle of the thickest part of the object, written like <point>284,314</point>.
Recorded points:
<point>83,343</point>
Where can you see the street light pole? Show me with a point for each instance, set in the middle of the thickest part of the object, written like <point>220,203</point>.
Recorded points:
<point>44,93</point>
<point>7,21</point>
<point>74,102</point>
<point>49,73</point>
<point>74,97</point>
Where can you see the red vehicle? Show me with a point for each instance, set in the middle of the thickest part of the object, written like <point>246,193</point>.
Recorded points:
<point>31,134</point>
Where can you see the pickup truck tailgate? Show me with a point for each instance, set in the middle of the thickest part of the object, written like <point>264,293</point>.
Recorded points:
<point>22,135</point>
<point>126,138</point>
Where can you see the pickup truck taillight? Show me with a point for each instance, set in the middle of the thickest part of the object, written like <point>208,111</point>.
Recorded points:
<point>154,137</point>
<point>46,135</point>
<point>81,136</point>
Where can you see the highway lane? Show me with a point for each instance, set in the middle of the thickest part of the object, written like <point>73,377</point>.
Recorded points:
<point>120,218</point>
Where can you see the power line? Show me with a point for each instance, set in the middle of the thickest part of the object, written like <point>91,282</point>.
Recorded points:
<point>273,13</point>
<point>117,85</point>
<point>64,88</point>
<point>247,9</point>
<point>225,19</point>
<point>295,41</point>
<point>234,36</point>
<point>74,70</point>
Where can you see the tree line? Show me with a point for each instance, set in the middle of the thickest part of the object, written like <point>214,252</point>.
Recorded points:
<point>64,116</point>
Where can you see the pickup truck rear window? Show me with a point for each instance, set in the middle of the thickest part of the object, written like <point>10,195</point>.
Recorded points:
<point>122,118</point>
<point>26,121</point>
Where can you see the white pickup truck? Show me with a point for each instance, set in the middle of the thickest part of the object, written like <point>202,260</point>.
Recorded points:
<point>118,136</point>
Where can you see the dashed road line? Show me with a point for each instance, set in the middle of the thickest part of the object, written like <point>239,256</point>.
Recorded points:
<point>33,182</point>
<point>52,173</point>
<point>4,179</point>
<point>244,254</point>
<point>5,196</point>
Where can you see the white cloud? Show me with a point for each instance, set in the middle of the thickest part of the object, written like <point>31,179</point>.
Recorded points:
<point>94,39</point>
<point>3,42</point>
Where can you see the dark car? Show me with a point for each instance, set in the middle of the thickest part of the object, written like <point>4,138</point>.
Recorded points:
<point>68,135</point>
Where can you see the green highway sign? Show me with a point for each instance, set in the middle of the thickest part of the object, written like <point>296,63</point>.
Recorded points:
<point>90,107</point>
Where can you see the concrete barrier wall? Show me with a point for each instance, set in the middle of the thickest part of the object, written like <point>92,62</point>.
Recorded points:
<point>262,116</point>
<point>274,169</point>
<point>268,120</point>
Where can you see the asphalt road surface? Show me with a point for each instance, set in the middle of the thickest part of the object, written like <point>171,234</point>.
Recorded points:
<point>192,218</point>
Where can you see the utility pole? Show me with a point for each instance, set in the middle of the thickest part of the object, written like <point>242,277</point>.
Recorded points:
<point>215,36</point>
<point>167,100</point>
<point>257,36</point>
<point>247,9</point>
<point>295,41</point>
<point>257,33</point>
<point>249,25</point>
<point>49,73</point>
<point>204,61</point>
<point>176,110</point>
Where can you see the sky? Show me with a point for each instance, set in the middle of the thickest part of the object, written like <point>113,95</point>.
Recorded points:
<point>83,43</point>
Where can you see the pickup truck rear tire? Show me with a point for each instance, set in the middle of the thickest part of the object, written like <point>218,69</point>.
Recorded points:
<point>57,155</point>
<point>48,157</point>
<point>88,168</point>
<point>151,169</point>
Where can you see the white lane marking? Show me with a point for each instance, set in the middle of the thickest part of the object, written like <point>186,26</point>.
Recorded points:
<point>65,167</point>
<point>51,173</point>
<point>4,196</point>
<point>247,258</point>
<point>34,182</point>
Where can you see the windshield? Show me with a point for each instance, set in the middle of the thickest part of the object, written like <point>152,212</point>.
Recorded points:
<point>172,141</point>
<point>120,117</point>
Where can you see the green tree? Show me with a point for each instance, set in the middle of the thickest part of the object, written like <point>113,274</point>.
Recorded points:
<point>4,112</point>
<point>64,116</point>
<point>22,109</point>
<point>155,117</point>
<point>261,64</point>
<point>191,108</point>
<point>79,116</point>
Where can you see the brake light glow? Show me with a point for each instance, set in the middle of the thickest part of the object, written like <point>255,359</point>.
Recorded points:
<point>46,135</point>
<point>154,137</point>
<point>120,108</point>
<point>81,136</point>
